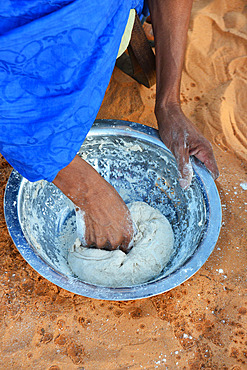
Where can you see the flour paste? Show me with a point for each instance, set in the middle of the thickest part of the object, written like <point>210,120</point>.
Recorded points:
<point>153,246</point>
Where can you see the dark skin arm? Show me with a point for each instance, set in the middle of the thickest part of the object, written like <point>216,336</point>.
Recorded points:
<point>170,21</point>
<point>107,218</point>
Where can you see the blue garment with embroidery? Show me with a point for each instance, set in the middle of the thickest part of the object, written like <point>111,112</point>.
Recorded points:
<point>56,60</point>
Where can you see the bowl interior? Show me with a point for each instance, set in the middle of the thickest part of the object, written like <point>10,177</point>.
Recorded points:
<point>140,169</point>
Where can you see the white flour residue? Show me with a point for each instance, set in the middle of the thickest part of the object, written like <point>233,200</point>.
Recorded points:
<point>188,174</point>
<point>243,185</point>
<point>133,147</point>
<point>80,224</point>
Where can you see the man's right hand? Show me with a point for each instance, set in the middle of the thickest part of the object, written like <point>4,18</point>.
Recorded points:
<point>107,219</point>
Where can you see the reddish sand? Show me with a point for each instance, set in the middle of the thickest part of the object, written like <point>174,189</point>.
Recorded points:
<point>202,324</point>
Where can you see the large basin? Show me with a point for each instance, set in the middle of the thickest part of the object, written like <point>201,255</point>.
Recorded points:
<point>41,220</point>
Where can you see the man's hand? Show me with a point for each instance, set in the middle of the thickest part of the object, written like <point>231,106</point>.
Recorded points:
<point>183,139</point>
<point>107,219</point>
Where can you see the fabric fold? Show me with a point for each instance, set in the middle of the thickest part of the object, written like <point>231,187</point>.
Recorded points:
<point>56,60</point>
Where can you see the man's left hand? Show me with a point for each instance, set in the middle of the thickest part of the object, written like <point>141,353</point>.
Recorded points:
<point>183,139</point>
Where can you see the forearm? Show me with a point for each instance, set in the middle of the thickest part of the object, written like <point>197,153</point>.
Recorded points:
<point>170,21</point>
<point>76,180</point>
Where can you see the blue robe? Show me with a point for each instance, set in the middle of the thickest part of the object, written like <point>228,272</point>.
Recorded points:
<point>56,60</point>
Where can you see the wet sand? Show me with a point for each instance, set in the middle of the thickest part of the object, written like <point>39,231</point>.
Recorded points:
<point>201,324</point>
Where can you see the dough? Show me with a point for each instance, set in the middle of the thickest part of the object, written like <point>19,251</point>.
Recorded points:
<point>153,246</point>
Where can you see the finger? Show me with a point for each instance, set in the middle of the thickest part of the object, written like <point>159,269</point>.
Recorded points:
<point>101,242</point>
<point>122,232</point>
<point>128,240</point>
<point>206,156</point>
<point>108,246</point>
<point>91,240</point>
<point>115,239</point>
<point>92,245</point>
<point>126,246</point>
<point>212,167</point>
<point>181,153</point>
<point>107,237</point>
<point>87,231</point>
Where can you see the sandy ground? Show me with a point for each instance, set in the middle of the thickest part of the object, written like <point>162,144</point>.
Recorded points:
<point>202,324</point>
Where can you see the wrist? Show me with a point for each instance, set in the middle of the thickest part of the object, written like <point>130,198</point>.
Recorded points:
<point>168,114</point>
<point>166,107</point>
<point>74,180</point>
<point>167,97</point>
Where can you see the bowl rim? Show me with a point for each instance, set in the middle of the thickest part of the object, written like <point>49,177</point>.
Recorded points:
<point>154,287</point>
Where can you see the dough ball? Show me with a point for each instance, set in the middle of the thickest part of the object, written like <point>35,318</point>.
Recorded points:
<point>152,249</point>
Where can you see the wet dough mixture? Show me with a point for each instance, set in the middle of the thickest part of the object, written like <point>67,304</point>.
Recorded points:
<point>153,246</point>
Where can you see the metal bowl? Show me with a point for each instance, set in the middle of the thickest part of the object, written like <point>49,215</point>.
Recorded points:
<point>130,156</point>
